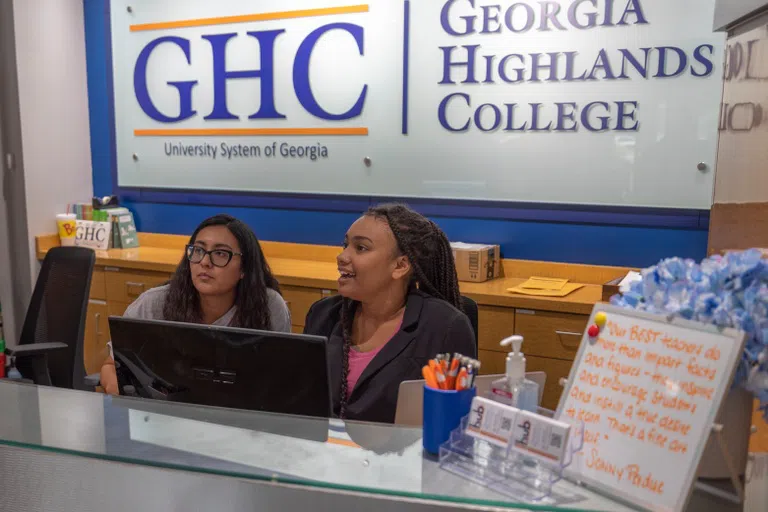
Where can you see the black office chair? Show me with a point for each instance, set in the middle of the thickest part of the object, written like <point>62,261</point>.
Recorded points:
<point>50,350</point>
<point>470,309</point>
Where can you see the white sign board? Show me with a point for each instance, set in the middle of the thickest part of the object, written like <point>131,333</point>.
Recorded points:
<point>648,391</point>
<point>93,234</point>
<point>570,101</point>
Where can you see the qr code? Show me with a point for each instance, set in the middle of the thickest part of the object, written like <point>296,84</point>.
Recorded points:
<point>556,441</point>
<point>506,424</point>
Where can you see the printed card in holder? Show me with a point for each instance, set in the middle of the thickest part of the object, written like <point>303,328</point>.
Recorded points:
<point>491,421</point>
<point>92,234</point>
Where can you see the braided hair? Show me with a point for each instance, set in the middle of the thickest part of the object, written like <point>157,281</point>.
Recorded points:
<point>433,269</point>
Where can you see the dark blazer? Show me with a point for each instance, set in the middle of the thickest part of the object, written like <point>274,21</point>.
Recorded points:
<point>430,326</point>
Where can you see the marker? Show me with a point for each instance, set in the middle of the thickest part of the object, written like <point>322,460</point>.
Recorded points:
<point>462,381</point>
<point>441,381</point>
<point>471,372</point>
<point>453,371</point>
<point>429,377</point>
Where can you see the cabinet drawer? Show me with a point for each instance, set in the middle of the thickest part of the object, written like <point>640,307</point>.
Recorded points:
<point>98,285</point>
<point>495,324</point>
<point>555,370</point>
<point>299,301</point>
<point>492,362</point>
<point>127,286</point>
<point>116,308</point>
<point>95,350</point>
<point>496,363</point>
<point>550,334</point>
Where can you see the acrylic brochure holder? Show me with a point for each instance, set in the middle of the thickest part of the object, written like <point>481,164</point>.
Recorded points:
<point>508,471</point>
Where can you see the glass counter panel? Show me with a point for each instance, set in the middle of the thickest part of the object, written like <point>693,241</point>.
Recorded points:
<point>373,458</point>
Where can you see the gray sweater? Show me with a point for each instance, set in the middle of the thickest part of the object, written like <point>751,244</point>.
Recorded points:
<point>149,306</point>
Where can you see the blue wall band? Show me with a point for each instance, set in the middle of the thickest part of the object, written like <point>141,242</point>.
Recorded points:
<point>569,233</point>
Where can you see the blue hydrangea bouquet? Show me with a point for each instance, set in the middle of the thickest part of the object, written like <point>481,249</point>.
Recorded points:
<point>727,291</point>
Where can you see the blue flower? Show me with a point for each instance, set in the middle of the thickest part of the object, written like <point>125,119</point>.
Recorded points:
<point>727,291</point>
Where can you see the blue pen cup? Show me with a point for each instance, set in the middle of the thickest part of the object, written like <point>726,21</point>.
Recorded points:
<point>443,411</point>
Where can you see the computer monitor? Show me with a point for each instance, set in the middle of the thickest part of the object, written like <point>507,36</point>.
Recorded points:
<point>223,366</point>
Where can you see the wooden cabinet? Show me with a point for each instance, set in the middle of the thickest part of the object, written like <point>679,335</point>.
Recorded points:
<point>98,285</point>
<point>550,334</point>
<point>555,369</point>
<point>96,336</point>
<point>494,324</point>
<point>299,299</point>
<point>552,327</point>
<point>551,338</point>
<point>495,363</point>
<point>126,286</point>
<point>116,308</point>
<point>551,342</point>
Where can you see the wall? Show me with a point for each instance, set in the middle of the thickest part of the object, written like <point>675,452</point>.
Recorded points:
<point>740,211</point>
<point>16,286</point>
<point>53,104</point>
<point>616,236</point>
<point>742,161</point>
<point>728,12</point>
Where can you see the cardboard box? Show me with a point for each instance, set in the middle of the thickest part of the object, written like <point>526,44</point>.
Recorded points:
<point>476,263</point>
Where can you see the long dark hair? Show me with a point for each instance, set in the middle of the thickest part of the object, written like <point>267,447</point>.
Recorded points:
<point>182,303</point>
<point>434,270</point>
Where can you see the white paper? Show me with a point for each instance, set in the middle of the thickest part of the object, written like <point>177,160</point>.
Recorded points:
<point>630,278</point>
<point>470,247</point>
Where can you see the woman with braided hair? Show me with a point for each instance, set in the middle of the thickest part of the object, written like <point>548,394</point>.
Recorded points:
<point>398,306</point>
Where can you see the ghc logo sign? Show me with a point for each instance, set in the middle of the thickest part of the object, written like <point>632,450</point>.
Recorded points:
<point>265,74</point>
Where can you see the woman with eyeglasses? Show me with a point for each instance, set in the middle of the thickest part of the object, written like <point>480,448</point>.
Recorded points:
<point>223,279</point>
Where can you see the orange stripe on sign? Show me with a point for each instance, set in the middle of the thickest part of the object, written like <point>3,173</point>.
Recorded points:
<point>246,18</point>
<point>343,442</point>
<point>254,132</point>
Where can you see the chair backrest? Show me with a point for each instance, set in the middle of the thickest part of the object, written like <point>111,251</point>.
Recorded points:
<point>470,309</point>
<point>57,312</point>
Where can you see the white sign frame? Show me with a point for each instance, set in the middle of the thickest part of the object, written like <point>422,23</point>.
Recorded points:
<point>734,356</point>
<point>675,132</point>
<point>93,242</point>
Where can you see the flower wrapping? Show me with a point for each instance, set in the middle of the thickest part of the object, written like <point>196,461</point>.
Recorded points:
<point>727,291</point>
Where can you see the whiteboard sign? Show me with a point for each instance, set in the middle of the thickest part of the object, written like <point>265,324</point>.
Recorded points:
<point>460,99</point>
<point>648,391</point>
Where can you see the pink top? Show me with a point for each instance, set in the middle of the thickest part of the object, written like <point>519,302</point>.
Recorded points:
<point>358,362</point>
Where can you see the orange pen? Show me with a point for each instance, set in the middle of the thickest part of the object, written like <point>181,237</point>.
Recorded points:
<point>452,373</point>
<point>440,374</point>
<point>429,377</point>
<point>462,381</point>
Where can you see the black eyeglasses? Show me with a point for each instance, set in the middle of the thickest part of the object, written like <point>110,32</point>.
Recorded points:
<point>218,257</point>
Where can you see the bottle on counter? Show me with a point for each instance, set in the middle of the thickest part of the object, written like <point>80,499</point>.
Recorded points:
<point>514,389</point>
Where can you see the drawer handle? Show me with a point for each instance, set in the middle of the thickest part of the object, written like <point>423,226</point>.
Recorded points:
<point>569,333</point>
<point>131,287</point>
<point>326,293</point>
<point>97,318</point>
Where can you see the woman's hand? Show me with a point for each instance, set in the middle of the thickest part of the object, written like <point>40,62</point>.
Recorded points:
<point>108,377</point>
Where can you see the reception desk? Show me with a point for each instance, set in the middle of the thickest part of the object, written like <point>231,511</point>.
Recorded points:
<point>72,451</point>
<point>552,327</point>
